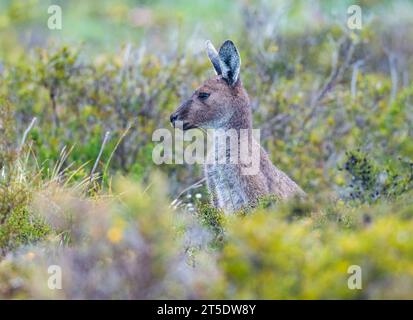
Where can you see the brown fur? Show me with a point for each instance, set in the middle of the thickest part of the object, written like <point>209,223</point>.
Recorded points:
<point>227,107</point>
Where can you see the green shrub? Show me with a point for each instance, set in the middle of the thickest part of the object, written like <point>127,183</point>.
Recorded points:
<point>123,248</point>
<point>267,257</point>
<point>17,225</point>
<point>318,92</point>
<point>369,181</point>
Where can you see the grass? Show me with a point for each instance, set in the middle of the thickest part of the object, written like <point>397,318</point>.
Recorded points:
<point>96,205</point>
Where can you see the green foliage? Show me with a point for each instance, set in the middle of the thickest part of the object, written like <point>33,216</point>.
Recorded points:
<point>335,111</point>
<point>369,182</point>
<point>7,153</point>
<point>128,245</point>
<point>213,220</point>
<point>17,225</point>
<point>266,257</point>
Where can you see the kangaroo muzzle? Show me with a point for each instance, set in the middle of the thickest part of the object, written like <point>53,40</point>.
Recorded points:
<point>180,115</point>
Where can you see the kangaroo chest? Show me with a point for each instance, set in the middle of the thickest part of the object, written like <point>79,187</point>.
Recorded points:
<point>224,175</point>
<point>226,185</point>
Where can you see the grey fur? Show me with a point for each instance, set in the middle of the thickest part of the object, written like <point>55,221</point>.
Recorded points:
<point>231,190</point>
<point>213,56</point>
<point>230,62</point>
<point>227,62</point>
<point>232,185</point>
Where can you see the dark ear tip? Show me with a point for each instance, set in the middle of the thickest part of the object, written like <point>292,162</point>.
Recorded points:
<point>228,42</point>
<point>228,46</point>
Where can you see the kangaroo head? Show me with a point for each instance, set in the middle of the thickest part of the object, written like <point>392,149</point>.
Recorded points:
<point>219,100</point>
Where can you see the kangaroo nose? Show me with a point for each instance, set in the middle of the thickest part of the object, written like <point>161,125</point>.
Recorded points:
<point>173,117</point>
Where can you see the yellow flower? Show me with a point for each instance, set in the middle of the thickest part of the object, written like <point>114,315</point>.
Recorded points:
<point>340,180</point>
<point>330,121</point>
<point>315,137</point>
<point>30,255</point>
<point>115,234</point>
<point>273,48</point>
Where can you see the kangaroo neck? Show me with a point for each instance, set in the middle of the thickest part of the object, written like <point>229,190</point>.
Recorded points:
<point>227,140</point>
<point>240,119</point>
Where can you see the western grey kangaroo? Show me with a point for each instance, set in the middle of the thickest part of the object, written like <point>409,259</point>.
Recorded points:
<point>221,104</point>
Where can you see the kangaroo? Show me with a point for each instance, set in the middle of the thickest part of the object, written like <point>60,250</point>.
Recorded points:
<point>222,104</point>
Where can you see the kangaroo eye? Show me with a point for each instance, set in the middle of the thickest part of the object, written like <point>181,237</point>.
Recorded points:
<point>203,95</point>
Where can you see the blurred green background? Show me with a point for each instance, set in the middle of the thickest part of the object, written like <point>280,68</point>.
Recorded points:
<point>106,25</point>
<point>335,109</point>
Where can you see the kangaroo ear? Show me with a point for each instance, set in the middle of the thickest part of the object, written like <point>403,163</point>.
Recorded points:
<point>213,56</point>
<point>230,62</point>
